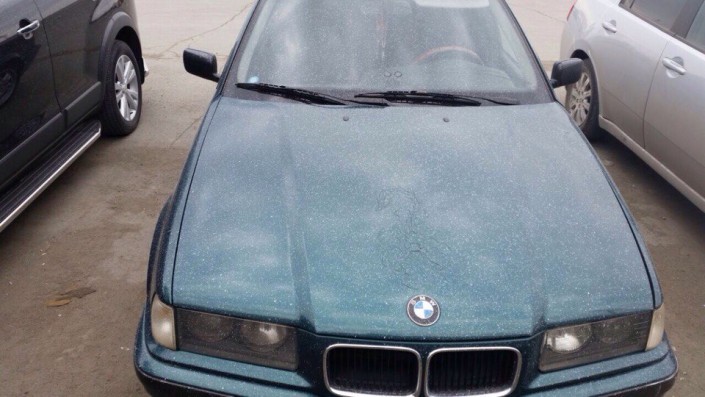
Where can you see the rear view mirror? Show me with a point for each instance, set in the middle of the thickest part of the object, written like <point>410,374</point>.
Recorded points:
<point>202,64</point>
<point>566,72</point>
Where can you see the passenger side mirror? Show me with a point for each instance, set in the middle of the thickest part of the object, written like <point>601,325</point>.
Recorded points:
<point>566,72</point>
<point>202,64</point>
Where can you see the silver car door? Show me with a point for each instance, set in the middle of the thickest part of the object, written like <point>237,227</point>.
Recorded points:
<point>626,49</point>
<point>675,114</point>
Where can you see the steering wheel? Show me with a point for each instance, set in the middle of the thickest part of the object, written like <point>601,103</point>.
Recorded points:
<point>438,51</point>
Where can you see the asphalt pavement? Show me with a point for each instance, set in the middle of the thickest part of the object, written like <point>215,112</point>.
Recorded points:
<point>86,239</point>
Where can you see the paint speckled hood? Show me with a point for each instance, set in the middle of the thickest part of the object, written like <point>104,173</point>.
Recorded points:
<point>502,214</point>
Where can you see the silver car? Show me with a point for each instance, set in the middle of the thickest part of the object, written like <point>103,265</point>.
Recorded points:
<point>643,81</point>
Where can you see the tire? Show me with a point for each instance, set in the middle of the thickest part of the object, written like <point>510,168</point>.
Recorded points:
<point>583,103</point>
<point>122,79</point>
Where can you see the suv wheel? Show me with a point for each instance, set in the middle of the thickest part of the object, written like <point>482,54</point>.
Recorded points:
<point>122,79</point>
<point>583,104</point>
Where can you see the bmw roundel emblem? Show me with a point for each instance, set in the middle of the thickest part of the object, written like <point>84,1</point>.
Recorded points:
<point>423,310</point>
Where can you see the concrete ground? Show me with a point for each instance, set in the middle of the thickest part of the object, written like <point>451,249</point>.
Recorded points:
<point>91,230</point>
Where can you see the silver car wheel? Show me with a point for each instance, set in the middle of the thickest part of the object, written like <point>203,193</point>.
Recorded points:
<point>126,88</point>
<point>580,99</point>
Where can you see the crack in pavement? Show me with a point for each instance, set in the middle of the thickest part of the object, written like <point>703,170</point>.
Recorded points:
<point>184,132</point>
<point>191,38</point>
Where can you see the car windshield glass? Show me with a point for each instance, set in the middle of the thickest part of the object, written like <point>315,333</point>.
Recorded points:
<point>345,48</point>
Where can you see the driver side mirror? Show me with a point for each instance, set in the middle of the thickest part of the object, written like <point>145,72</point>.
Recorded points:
<point>566,72</point>
<point>201,64</point>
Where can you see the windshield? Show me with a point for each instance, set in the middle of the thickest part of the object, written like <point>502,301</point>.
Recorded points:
<point>351,47</point>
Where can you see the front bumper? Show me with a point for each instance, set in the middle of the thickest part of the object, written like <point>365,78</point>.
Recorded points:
<point>168,373</point>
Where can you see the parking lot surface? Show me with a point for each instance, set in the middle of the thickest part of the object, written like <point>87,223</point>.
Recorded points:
<point>86,239</point>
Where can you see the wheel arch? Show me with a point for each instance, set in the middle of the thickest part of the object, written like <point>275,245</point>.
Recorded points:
<point>121,27</point>
<point>128,35</point>
<point>580,54</point>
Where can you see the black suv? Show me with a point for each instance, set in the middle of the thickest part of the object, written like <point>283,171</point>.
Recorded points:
<point>70,71</point>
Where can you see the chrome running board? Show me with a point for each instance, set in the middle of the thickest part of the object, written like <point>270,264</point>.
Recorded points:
<point>18,196</point>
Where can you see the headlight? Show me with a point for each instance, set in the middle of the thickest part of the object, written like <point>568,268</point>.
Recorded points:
<point>248,341</point>
<point>263,337</point>
<point>568,340</point>
<point>208,328</point>
<point>582,344</point>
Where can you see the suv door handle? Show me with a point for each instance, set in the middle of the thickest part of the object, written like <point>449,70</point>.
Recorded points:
<point>610,26</point>
<point>27,31</point>
<point>675,64</point>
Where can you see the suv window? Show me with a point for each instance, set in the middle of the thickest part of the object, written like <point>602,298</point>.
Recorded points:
<point>696,35</point>
<point>659,12</point>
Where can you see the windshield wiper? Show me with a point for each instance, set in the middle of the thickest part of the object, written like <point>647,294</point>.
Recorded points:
<point>435,98</point>
<point>299,94</point>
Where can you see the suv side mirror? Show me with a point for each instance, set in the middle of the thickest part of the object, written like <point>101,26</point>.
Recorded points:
<point>202,64</point>
<point>566,72</point>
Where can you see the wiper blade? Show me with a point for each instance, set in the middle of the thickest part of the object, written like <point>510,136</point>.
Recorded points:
<point>299,94</point>
<point>292,93</point>
<point>421,97</point>
<point>435,98</point>
<point>497,101</point>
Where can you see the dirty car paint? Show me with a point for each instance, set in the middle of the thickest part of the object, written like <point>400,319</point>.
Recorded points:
<point>501,214</point>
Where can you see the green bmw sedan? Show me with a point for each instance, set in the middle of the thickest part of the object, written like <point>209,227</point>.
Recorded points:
<point>386,199</point>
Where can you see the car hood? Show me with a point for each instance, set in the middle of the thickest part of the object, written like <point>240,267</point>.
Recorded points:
<point>332,218</point>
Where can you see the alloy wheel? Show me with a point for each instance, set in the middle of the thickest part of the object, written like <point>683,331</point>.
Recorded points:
<point>126,88</point>
<point>580,99</point>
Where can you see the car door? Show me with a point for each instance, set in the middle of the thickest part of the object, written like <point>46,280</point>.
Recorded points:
<point>75,49</point>
<point>29,114</point>
<point>625,54</point>
<point>675,115</point>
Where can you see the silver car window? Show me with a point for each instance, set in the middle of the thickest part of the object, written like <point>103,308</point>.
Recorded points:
<point>696,35</point>
<point>659,12</point>
<point>346,47</point>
